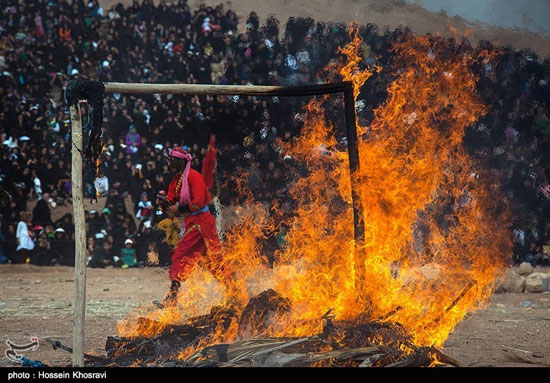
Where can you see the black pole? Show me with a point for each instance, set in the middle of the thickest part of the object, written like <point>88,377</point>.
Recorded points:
<point>353,154</point>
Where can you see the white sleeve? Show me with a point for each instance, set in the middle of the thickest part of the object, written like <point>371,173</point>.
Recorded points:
<point>21,229</point>
<point>37,185</point>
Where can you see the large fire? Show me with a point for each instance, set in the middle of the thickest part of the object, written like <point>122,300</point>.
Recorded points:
<point>435,233</point>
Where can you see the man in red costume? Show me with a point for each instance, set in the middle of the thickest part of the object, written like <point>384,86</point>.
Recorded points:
<point>188,196</point>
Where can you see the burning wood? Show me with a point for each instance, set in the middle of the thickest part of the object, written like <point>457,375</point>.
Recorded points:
<point>260,312</point>
<point>219,317</point>
<point>341,343</point>
<point>168,339</point>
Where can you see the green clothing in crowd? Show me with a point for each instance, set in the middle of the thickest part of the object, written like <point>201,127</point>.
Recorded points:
<point>129,257</point>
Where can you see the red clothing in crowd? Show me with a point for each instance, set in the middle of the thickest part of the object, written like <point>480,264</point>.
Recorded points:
<point>200,242</point>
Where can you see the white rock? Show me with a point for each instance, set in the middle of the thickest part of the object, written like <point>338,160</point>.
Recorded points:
<point>545,277</point>
<point>513,282</point>
<point>533,284</point>
<point>541,275</point>
<point>525,268</point>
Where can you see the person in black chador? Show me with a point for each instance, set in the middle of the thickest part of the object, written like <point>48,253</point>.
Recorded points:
<point>62,248</point>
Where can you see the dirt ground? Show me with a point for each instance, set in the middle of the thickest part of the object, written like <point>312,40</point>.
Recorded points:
<point>514,330</point>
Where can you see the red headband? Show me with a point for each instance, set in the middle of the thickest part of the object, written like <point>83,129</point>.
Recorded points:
<point>180,153</point>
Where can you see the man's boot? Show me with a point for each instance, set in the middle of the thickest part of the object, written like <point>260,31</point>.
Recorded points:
<point>172,298</point>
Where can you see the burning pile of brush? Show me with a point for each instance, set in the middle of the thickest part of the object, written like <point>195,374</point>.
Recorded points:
<point>434,238</point>
<point>341,343</point>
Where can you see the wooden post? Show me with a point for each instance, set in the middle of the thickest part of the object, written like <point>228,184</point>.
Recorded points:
<point>80,238</point>
<point>353,154</point>
<point>220,90</point>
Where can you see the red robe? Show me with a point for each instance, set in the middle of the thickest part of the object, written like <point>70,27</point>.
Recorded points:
<point>200,242</point>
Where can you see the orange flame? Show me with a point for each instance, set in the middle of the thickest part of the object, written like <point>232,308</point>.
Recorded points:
<point>434,235</point>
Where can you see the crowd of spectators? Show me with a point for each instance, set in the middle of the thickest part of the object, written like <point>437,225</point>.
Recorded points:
<point>45,43</point>
<point>514,139</point>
